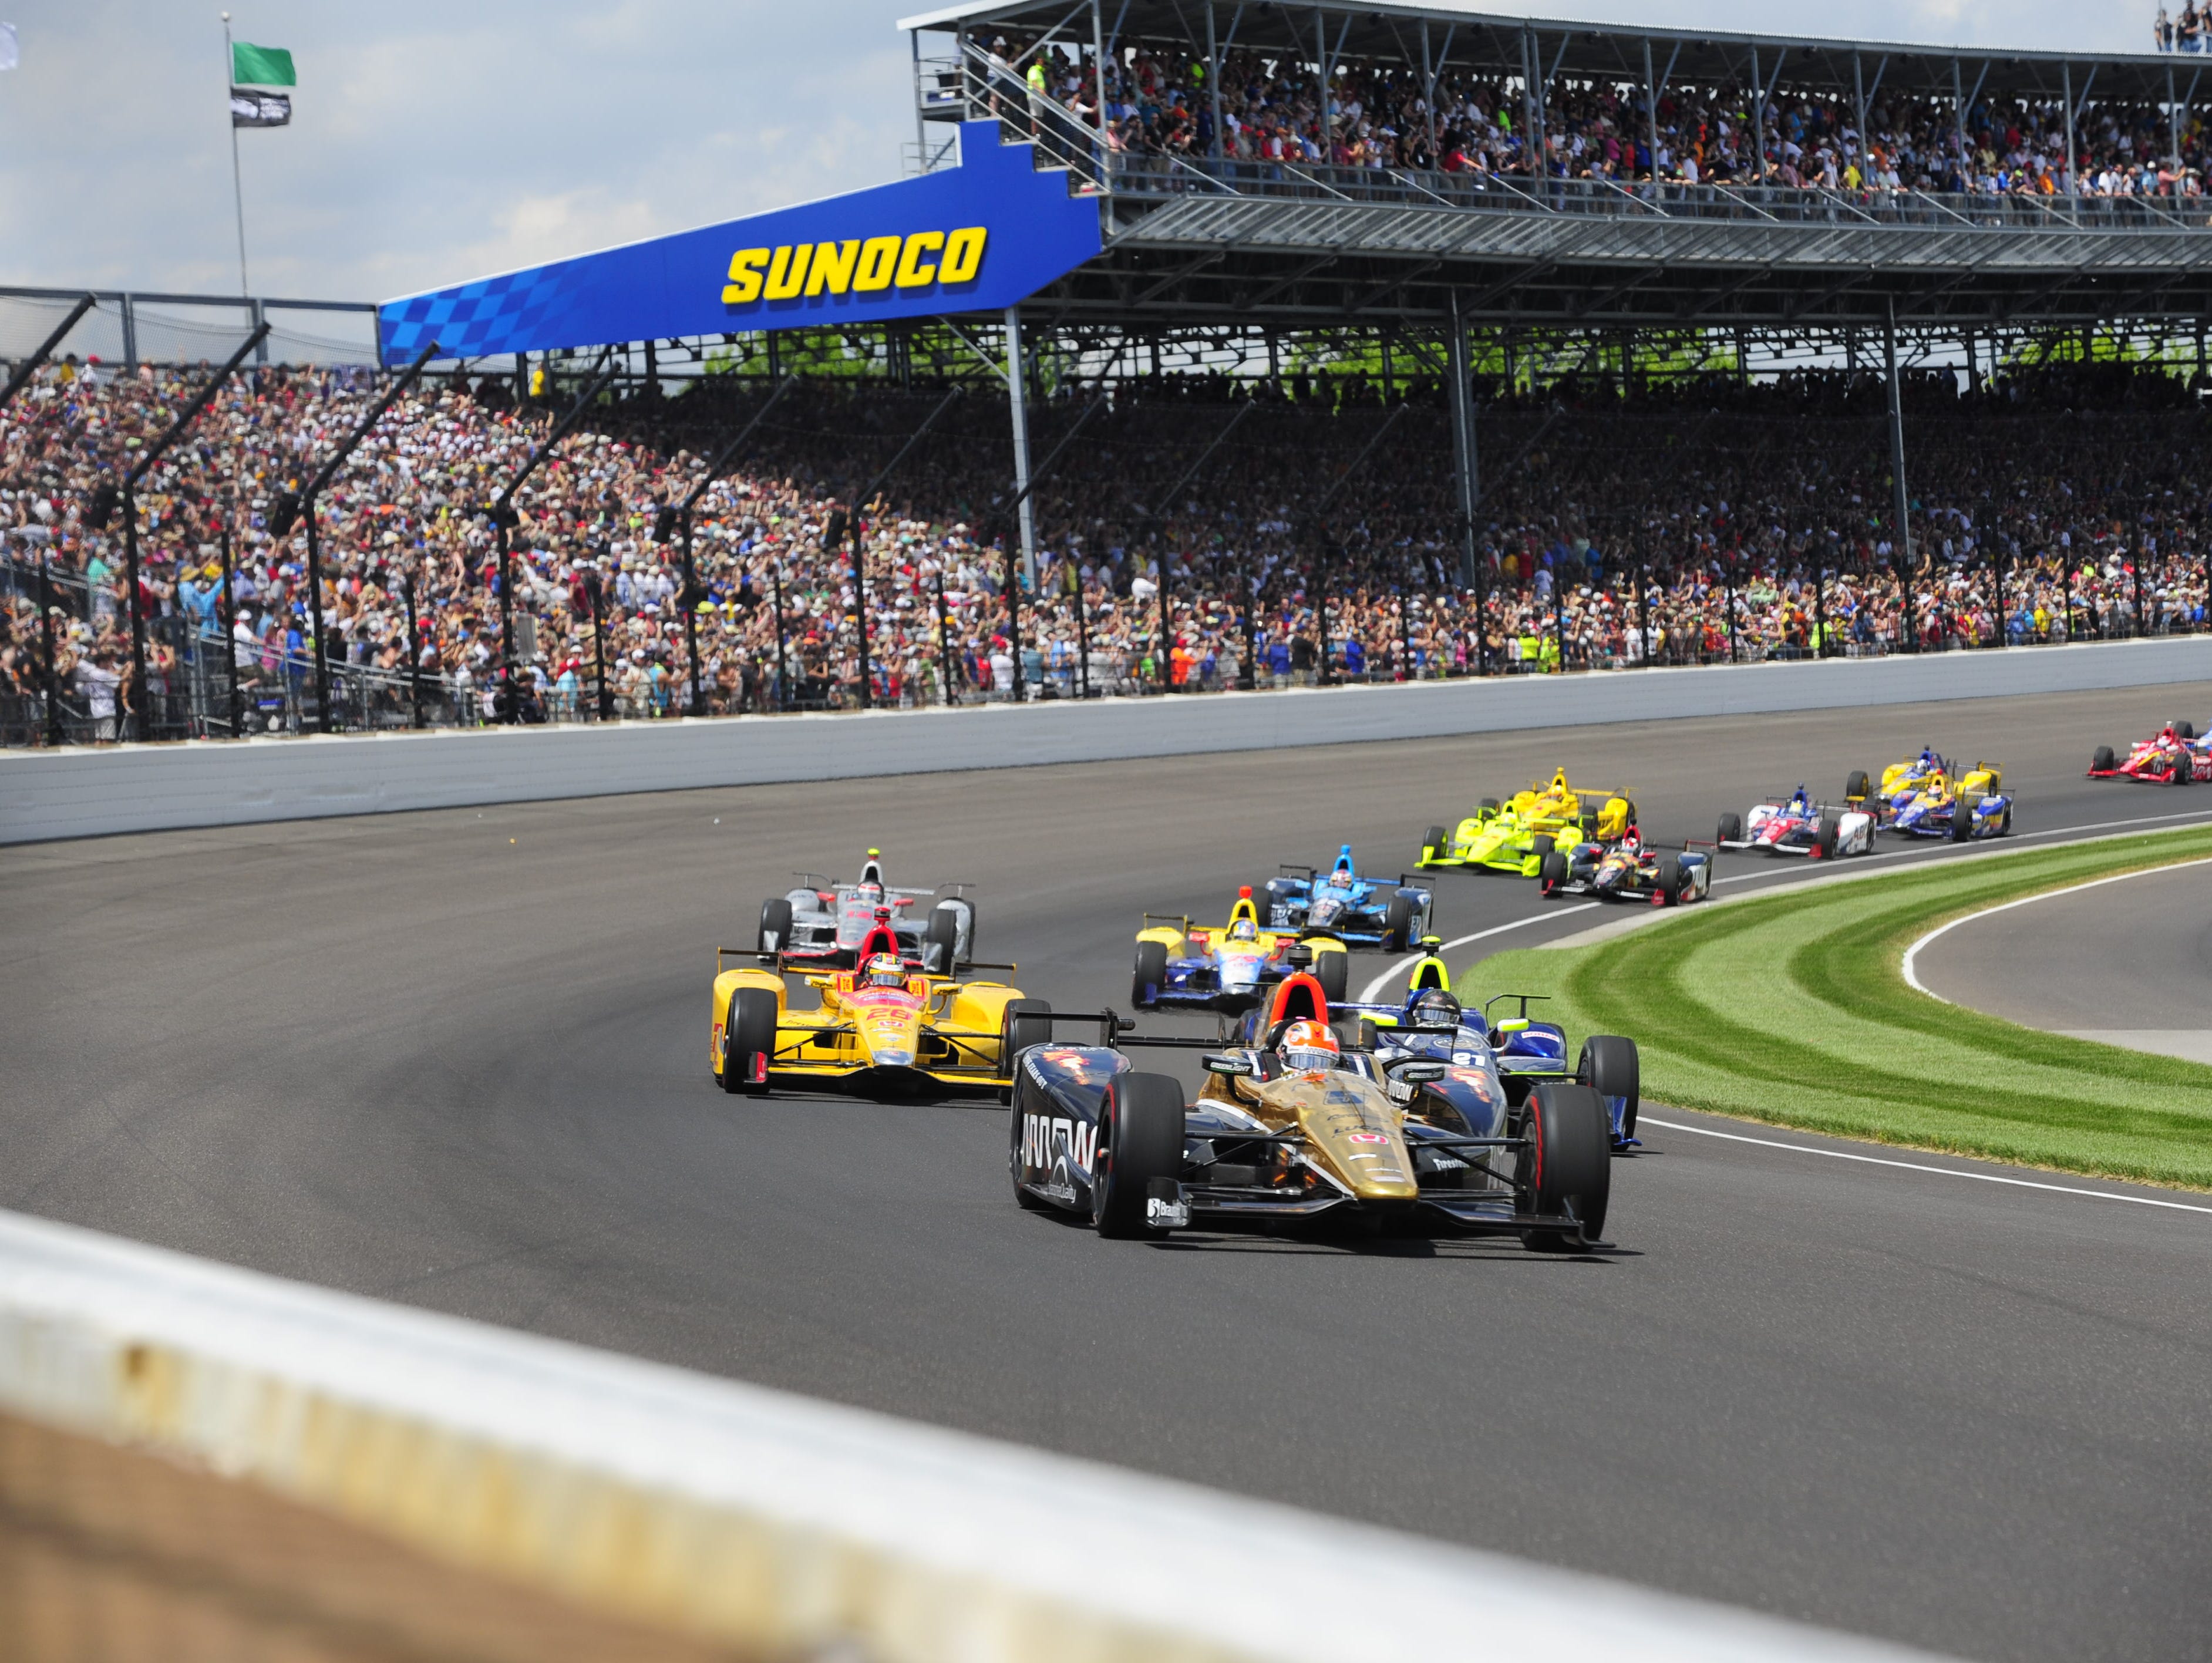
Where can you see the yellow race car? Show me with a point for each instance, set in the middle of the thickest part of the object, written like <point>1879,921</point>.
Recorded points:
<point>881,1029</point>
<point>1514,836</point>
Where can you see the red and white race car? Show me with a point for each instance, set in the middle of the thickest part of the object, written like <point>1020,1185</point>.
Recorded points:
<point>2176,756</point>
<point>1795,824</point>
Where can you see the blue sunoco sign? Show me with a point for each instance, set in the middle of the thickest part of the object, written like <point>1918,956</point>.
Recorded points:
<point>975,238</point>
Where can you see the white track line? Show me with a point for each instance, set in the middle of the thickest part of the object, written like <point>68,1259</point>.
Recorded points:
<point>1373,991</point>
<point>1913,952</point>
<point>1916,1166</point>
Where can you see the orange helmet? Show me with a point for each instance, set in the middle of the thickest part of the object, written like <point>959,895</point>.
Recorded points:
<point>885,970</point>
<point>1309,1047</point>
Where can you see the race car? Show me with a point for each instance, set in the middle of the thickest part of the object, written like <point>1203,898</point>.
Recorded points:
<point>1520,1052</point>
<point>1957,809</point>
<point>882,1030</point>
<point>1797,824</point>
<point>1299,1127</point>
<point>1389,913</point>
<point>1231,968</point>
<point>1513,836</point>
<point>1629,869</point>
<point>1900,782</point>
<point>2175,757</point>
<point>821,924</point>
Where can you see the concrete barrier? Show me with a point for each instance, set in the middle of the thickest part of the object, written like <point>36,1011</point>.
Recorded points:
<point>771,1525</point>
<point>80,793</point>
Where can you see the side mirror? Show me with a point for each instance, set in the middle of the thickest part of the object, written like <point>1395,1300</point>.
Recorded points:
<point>1229,1067</point>
<point>1418,1074</point>
<point>1514,1025</point>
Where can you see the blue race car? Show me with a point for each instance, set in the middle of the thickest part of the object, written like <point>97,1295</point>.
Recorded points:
<point>1960,810</point>
<point>1389,913</point>
<point>1514,1052</point>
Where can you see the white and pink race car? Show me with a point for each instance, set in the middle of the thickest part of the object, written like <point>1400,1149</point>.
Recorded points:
<point>1795,824</point>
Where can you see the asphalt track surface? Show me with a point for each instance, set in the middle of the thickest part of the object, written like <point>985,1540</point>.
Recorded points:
<point>459,1060</point>
<point>2128,962</point>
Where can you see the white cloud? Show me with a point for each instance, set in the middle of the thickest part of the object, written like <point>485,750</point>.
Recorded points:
<point>433,142</point>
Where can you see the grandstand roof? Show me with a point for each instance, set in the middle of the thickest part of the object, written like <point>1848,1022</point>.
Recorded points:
<point>1194,240</point>
<point>1582,51</point>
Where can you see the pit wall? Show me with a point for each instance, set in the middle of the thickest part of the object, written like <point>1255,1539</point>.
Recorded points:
<point>132,788</point>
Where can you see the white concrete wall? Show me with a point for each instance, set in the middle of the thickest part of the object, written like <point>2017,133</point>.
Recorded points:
<point>81,793</point>
<point>767,1524</point>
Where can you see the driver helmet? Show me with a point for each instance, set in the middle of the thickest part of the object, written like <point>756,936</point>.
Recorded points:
<point>1340,879</point>
<point>1309,1047</point>
<point>1434,1008</point>
<point>1630,842</point>
<point>1244,929</point>
<point>871,894</point>
<point>885,970</point>
<point>1801,799</point>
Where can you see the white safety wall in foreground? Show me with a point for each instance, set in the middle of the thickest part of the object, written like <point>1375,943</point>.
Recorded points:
<point>82,793</point>
<point>777,1524</point>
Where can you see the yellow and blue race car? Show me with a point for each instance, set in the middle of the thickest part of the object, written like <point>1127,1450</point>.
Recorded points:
<point>1515,837</point>
<point>1232,968</point>
<point>880,1030</point>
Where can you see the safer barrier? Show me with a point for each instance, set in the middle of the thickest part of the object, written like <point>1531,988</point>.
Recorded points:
<point>58,794</point>
<point>720,1513</point>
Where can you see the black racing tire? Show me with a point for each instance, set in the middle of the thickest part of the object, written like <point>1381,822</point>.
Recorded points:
<point>1670,879</point>
<point>1856,785</point>
<point>1140,1140</point>
<point>1633,822</point>
<point>2004,827</point>
<point>1398,924</point>
<point>1553,873</point>
<point>775,925</point>
<point>1334,972</point>
<point>1434,842</point>
<point>1731,828</point>
<point>1566,1164</point>
<point>1611,1066</point>
<point>748,1031</point>
<point>1019,1029</point>
<point>1540,846</point>
<point>2102,760</point>
<point>1150,975</point>
<point>940,942</point>
<point>2187,729</point>
<point>1962,820</point>
<point>2184,771</point>
<point>1824,839</point>
<point>1487,803</point>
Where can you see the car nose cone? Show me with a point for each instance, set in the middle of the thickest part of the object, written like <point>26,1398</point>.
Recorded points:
<point>893,1059</point>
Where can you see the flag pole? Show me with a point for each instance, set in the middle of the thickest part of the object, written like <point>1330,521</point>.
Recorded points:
<point>237,184</point>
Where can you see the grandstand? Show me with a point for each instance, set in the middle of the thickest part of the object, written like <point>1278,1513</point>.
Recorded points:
<point>1531,347</point>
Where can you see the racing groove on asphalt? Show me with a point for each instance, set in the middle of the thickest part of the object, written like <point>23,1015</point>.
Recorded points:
<point>409,1057</point>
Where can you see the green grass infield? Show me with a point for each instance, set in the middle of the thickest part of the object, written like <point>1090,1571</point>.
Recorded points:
<point>1792,1007</point>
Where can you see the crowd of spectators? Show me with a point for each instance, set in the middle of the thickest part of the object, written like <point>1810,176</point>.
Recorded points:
<point>1686,520</point>
<point>1272,108</point>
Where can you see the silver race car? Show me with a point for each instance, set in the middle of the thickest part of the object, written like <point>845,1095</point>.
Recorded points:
<point>822,925</point>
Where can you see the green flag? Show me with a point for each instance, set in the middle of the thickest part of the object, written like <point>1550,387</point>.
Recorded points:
<point>261,66</point>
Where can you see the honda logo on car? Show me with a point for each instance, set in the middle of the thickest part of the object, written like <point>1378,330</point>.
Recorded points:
<point>1043,1133</point>
<point>855,265</point>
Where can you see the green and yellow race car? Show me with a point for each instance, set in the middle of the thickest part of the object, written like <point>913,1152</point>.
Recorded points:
<point>1515,837</point>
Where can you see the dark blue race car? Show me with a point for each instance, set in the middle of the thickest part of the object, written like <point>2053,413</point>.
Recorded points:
<point>1389,913</point>
<point>1516,1053</point>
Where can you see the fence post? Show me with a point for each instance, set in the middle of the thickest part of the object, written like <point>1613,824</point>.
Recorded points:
<point>414,655</point>
<point>944,644</point>
<point>55,736</point>
<point>782,674</point>
<point>139,729</point>
<point>226,615</point>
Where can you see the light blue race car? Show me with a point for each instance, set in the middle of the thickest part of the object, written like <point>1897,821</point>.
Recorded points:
<point>1389,913</point>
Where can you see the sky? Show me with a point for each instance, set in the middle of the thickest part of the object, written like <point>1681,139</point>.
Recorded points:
<point>431,143</point>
